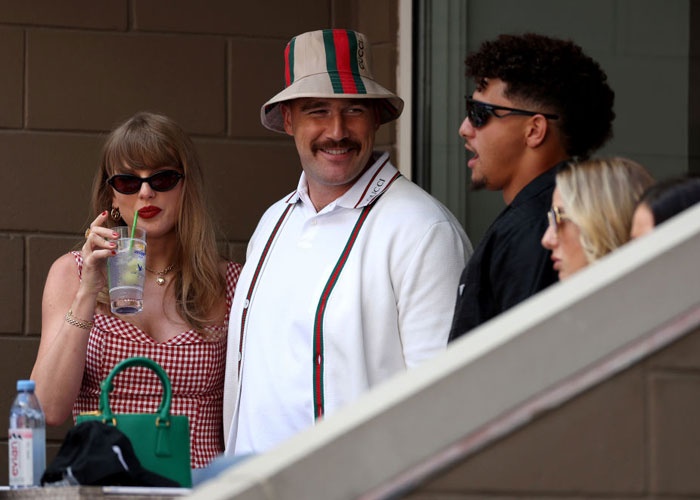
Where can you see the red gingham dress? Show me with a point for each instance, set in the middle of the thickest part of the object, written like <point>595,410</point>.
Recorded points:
<point>194,364</point>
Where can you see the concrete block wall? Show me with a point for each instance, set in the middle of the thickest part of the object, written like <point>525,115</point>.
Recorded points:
<point>72,70</point>
<point>635,435</point>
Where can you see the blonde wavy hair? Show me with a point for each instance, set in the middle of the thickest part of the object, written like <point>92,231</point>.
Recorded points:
<point>148,141</point>
<point>599,196</point>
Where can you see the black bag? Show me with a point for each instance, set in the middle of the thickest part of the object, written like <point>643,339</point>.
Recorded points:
<point>94,453</point>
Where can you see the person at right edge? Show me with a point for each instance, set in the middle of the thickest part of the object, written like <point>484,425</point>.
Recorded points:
<point>538,102</point>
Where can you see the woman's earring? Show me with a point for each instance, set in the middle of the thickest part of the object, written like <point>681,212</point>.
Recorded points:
<point>115,214</point>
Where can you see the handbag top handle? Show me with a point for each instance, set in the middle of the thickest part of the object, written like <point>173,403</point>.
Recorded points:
<point>107,386</point>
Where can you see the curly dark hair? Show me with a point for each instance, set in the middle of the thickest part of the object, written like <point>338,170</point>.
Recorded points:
<point>555,74</point>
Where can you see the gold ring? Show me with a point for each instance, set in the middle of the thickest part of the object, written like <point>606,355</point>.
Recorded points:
<point>87,233</point>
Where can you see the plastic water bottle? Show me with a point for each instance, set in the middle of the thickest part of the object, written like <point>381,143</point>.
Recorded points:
<point>26,438</point>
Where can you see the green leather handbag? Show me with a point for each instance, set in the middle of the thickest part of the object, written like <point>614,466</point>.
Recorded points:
<point>161,441</point>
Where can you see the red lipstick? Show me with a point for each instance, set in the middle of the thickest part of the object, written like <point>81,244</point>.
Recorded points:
<point>149,211</point>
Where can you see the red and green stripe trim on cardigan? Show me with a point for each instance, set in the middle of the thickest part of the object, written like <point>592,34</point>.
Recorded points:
<point>323,302</point>
<point>341,61</point>
<point>253,282</point>
<point>371,181</point>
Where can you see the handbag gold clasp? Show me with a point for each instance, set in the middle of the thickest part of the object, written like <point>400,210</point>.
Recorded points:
<point>95,413</point>
<point>167,422</point>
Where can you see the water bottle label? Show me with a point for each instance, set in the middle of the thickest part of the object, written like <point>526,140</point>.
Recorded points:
<point>20,446</point>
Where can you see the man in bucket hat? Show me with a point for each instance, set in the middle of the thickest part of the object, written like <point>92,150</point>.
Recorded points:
<point>350,278</point>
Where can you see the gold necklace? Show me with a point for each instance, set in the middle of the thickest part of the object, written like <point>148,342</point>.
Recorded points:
<point>160,279</point>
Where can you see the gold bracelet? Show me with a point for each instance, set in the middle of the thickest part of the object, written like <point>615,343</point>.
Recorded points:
<point>72,320</point>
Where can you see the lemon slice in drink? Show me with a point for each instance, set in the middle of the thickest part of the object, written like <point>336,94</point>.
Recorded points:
<point>131,272</point>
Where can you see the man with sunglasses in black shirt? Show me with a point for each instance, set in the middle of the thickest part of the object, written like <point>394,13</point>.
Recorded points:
<point>539,101</point>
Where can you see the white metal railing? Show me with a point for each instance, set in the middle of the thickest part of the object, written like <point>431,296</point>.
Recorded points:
<point>491,381</point>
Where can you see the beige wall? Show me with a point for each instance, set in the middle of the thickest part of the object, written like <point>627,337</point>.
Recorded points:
<point>635,435</point>
<point>71,70</point>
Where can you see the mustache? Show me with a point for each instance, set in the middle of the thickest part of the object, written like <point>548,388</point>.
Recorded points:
<point>342,144</point>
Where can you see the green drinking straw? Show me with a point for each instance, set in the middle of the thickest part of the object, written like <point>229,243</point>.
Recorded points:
<point>133,230</point>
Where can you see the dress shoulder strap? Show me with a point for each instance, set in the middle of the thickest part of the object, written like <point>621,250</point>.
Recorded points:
<point>233,271</point>
<point>79,262</point>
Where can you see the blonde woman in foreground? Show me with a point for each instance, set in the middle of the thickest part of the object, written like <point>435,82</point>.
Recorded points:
<point>592,208</point>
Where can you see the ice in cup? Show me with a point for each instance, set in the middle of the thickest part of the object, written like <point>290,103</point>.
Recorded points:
<point>126,271</point>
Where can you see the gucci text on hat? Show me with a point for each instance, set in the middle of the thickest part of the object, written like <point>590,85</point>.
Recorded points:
<point>329,63</point>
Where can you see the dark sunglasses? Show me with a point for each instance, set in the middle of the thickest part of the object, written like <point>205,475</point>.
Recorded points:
<point>161,181</point>
<point>479,112</point>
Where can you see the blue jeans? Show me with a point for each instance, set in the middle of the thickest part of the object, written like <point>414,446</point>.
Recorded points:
<point>218,465</point>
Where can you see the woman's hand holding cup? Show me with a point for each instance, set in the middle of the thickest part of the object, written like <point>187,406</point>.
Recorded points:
<point>99,245</point>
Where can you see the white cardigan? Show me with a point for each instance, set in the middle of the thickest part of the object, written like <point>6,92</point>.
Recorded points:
<point>390,308</point>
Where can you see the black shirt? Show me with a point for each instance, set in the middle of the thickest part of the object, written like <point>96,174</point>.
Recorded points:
<point>510,264</point>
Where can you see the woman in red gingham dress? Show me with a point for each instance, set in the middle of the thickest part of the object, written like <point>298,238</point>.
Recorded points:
<point>195,366</point>
<point>148,165</point>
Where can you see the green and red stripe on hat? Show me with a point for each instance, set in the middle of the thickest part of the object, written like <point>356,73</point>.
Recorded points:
<point>329,63</point>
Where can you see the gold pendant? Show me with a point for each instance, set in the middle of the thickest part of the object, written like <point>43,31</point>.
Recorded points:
<point>160,280</point>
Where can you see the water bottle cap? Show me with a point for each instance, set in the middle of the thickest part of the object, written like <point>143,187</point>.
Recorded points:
<point>25,385</point>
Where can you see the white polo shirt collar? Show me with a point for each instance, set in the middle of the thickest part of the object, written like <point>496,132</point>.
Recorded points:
<point>368,187</point>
